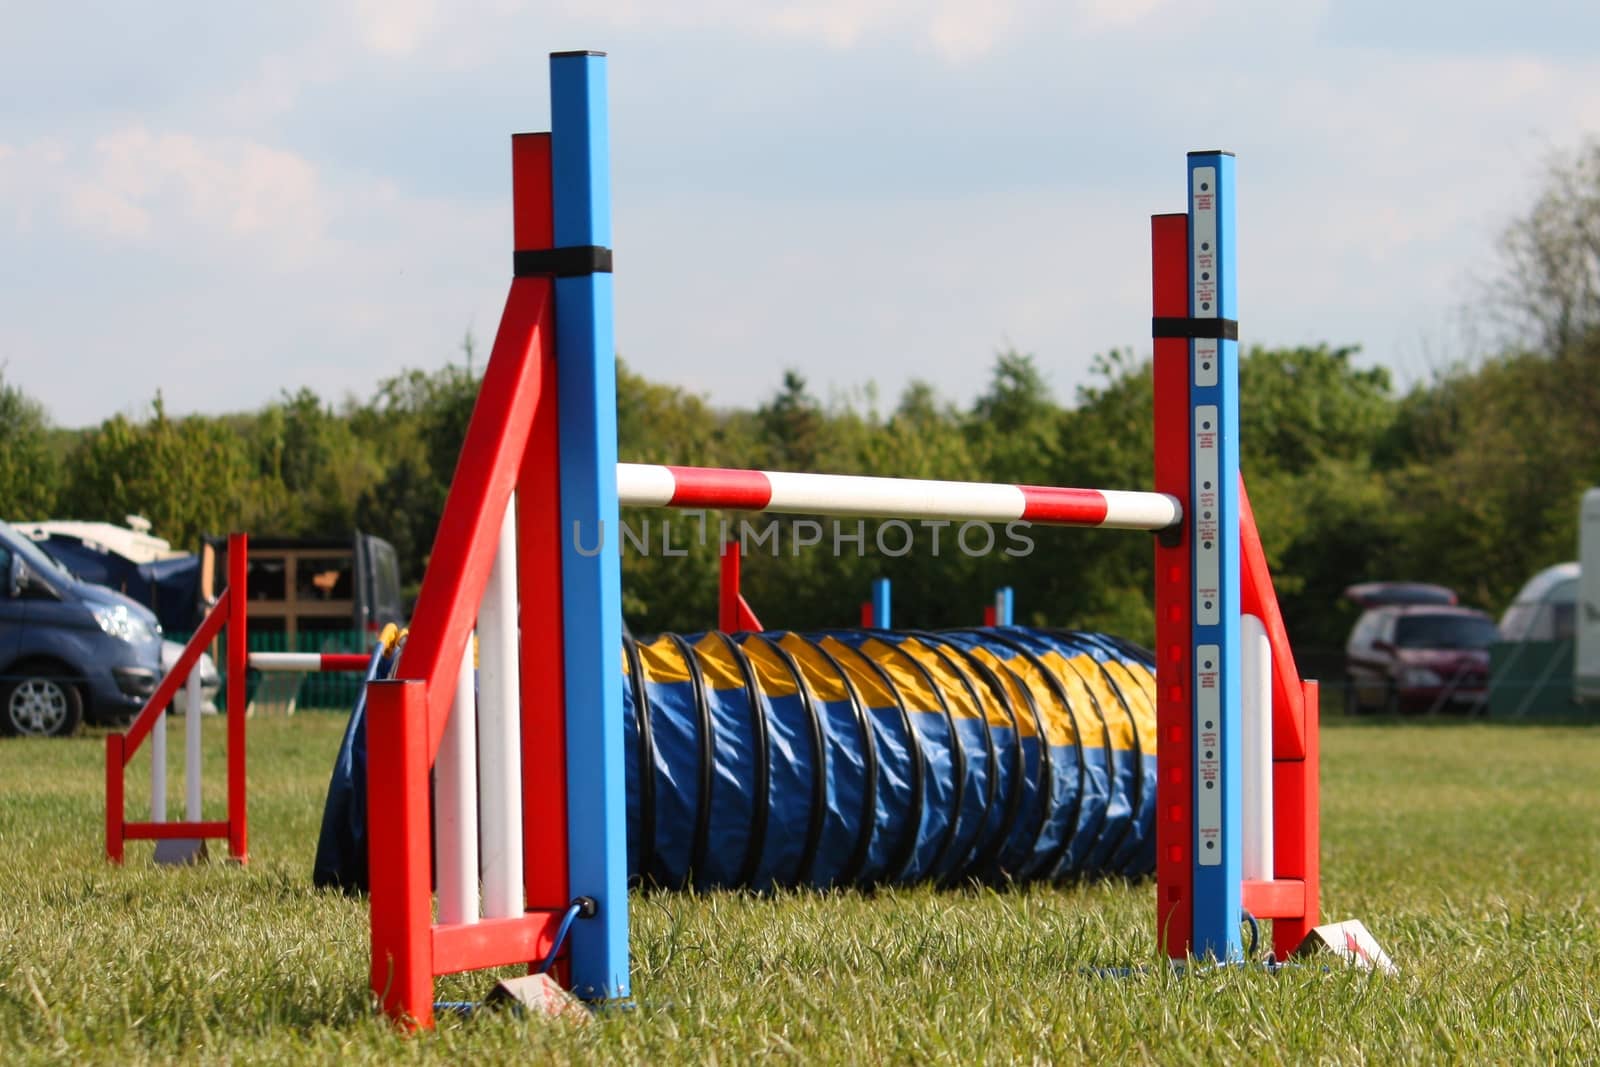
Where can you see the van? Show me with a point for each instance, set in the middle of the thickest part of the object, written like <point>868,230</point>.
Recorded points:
<point>70,651</point>
<point>301,587</point>
<point>128,559</point>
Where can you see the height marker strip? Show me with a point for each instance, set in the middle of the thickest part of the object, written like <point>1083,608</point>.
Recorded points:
<point>1213,527</point>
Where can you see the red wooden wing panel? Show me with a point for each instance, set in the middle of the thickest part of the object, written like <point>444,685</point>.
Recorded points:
<point>1174,721</point>
<point>490,463</point>
<point>543,660</point>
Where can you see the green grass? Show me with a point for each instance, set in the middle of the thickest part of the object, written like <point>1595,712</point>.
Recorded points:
<point>1471,850</point>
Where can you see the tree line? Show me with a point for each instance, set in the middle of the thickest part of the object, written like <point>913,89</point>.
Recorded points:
<point>1470,478</point>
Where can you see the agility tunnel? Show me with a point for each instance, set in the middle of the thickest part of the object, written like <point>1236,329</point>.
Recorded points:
<point>869,757</point>
<point>861,758</point>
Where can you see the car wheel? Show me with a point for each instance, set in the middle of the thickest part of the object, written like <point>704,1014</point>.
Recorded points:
<point>1391,700</point>
<point>37,702</point>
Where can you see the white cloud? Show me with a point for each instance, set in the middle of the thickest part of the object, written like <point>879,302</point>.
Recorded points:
<point>1127,14</point>
<point>394,28</point>
<point>955,30</point>
<point>222,270</point>
<point>105,210</point>
<point>274,89</point>
<point>25,180</point>
<point>135,184</point>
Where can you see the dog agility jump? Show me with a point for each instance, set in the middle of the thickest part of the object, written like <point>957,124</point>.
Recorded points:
<point>226,618</point>
<point>539,462</point>
<point>498,783</point>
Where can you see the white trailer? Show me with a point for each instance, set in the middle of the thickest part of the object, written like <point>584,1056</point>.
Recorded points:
<point>1586,624</point>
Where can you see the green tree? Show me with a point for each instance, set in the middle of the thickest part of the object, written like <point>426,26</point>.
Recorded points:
<point>312,467</point>
<point>1491,464</point>
<point>1299,407</point>
<point>1549,284</point>
<point>791,425</point>
<point>189,476</point>
<point>403,507</point>
<point>1014,425</point>
<point>415,426</point>
<point>28,470</point>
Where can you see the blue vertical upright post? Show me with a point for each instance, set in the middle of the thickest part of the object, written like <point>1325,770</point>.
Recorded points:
<point>880,603</point>
<point>590,570</point>
<point>1003,606</point>
<point>1214,525</point>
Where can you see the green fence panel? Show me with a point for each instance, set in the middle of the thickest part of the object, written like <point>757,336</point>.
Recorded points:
<point>1532,680</point>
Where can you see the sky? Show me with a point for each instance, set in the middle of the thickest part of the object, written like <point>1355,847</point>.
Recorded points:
<point>223,202</point>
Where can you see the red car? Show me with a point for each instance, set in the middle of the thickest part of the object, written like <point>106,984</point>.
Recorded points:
<point>1377,594</point>
<point>1418,657</point>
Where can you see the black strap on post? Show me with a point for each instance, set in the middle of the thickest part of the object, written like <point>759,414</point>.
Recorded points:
<point>1212,329</point>
<point>573,262</point>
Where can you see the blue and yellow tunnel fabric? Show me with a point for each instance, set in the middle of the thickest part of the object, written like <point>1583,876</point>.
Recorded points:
<point>869,757</point>
<point>862,757</point>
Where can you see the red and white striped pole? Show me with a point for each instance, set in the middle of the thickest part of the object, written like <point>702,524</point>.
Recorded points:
<point>310,662</point>
<point>654,485</point>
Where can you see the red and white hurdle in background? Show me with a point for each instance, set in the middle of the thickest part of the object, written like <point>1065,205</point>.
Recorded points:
<point>227,617</point>
<point>307,662</point>
<point>227,613</point>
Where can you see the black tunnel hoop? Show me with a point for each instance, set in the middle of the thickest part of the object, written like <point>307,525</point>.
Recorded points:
<point>761,802</point>
<point>850,873</point>
<point>708,754</point>
<point>958,756</point>
<point>1111,749</point>
<point>961,868</point>
<point>985,862</point>
<point>647,762</point>
<point>984,859</point>
<point>1047,767</point>
<point>905,849</point>
<point>1138,797</point>
<point>1105,726</point>
<point>819,763</point>
<point>1044,785</point>
<point>1053,861</point>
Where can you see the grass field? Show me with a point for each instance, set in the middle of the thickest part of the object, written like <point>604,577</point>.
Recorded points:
<point>1471,850</point>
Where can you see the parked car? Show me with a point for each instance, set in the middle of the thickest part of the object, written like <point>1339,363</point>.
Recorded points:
<point>1377,594</point>
<point>69,650</point>
<point>1418,657</point>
